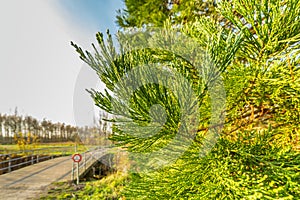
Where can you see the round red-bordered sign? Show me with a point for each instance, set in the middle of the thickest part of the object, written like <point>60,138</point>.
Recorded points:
<point>76,157</point>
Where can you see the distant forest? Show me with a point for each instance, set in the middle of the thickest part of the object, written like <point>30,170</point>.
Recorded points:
<point>45,131</point>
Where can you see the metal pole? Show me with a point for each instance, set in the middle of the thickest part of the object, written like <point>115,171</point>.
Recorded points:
<point>94,171</point>
<point>32,157</point>
<point>9,163</point>
<point>72,174</point>
<point>84,161</point>
<point>77,173</point>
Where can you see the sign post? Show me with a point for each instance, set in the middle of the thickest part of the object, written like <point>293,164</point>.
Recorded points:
<point>77,158</point>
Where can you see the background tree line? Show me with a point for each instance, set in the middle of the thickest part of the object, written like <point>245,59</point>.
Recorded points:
<point>45,131</point>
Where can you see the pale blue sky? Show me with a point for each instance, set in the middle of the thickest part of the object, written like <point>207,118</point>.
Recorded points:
<point>38,67</point>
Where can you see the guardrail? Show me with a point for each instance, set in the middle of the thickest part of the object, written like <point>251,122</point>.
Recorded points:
<point>88,159</point>
<point>30,157</point>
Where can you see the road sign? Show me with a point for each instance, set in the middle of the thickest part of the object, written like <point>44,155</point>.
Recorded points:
<point>76,157</point>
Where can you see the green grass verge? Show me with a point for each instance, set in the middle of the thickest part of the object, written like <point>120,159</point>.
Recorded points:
<point>109,187</point>
<point>13,148</point>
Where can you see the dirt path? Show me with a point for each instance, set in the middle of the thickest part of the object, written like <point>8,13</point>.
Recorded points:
<point>29,182</point>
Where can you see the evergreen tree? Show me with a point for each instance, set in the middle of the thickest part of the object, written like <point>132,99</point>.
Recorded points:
<point>156,12</point>
<point>160,90</point>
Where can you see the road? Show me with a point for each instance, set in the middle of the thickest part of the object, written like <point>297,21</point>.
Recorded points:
<point>29,182</point>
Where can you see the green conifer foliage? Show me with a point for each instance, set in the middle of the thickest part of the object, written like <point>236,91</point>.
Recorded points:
<point>255,61</point>
<point>156,12</point>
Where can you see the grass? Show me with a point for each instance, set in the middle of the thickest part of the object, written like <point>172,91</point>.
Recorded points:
<point>14,148</point>
<point>109,187</point>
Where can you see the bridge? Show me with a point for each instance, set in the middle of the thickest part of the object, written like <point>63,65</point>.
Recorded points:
<point>30,181</point>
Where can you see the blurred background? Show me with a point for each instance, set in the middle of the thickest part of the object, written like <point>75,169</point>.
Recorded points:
<point>41,75</point>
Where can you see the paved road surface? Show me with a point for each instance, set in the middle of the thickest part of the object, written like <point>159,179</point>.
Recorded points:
<point>29,182</point>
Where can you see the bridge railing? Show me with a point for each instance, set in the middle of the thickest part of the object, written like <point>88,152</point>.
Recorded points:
<point>88,159</point>
<point>17,160</point>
